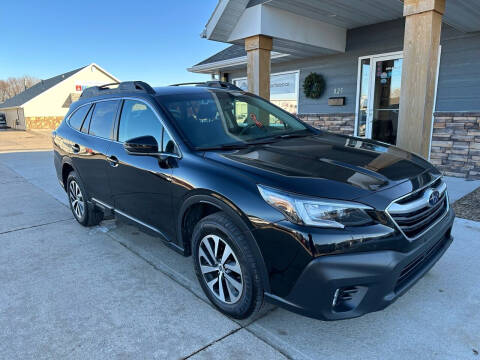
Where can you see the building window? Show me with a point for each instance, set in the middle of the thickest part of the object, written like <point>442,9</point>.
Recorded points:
<point>283,90</point>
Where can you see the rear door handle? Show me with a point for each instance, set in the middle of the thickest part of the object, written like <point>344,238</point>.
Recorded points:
<point>113,161</point>
<point>76,148</point>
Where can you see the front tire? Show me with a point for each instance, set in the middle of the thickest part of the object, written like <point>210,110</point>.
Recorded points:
<point>225,266</point>
<point>85,214</point>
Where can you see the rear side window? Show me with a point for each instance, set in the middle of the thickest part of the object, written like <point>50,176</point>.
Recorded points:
<point>138,119</point>
<point>103,118</point>
<point>76,119</point>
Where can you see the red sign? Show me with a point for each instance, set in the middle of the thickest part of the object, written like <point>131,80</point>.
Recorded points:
<point>78,87</point>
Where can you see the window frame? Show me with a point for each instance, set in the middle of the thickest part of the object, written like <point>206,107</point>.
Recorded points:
<point>87,121</point>
<point>84,118</point>
<point>110,136</point>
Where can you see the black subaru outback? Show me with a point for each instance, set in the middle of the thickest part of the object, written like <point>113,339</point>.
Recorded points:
<point>325,225</point>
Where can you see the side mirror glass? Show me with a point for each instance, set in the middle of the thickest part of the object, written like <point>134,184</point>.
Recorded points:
<point>142,145</point>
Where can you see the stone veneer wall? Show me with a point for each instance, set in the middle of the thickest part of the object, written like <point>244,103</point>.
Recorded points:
<point>455,141</point>
<point>43,122</point>
<point>456,144</point>
<point>337,123</point>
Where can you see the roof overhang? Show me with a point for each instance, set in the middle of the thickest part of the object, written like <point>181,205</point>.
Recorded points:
<point>231,64</point>
<point>232,22</point>
<point>230,18</point>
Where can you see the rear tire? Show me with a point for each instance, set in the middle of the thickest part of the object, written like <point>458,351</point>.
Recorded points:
<point>225,266</point>
<point>85,214</point>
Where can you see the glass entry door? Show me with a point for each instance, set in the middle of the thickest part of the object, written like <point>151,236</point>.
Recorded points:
<point>379,97</point>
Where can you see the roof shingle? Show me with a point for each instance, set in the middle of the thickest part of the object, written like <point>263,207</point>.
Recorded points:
<point>37,89</point>
<point>230,52</point>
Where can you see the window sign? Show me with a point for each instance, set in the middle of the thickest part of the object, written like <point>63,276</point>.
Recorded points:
<point>283,90</point>
<point>283,87</point>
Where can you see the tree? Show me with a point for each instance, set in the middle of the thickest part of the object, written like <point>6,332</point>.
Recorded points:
<point>15,85</point>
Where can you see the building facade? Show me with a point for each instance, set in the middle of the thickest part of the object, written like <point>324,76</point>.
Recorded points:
<point>363,83</point>
<point>44,105</point>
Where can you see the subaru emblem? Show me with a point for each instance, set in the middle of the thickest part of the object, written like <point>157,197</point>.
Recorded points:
<point>434,198</point>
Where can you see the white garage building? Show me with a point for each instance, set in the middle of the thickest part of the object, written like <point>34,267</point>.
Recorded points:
<point>44,105</point>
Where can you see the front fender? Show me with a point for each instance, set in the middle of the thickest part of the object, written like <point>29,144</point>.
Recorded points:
<point>237,216</point>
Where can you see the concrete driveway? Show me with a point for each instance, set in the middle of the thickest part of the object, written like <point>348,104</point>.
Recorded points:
<point>114,292</point>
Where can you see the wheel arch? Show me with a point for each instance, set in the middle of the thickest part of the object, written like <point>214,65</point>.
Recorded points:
<point>67,168</point>
<point>205,204</point>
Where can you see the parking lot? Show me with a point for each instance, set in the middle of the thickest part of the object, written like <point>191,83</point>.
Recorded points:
<point>114,292</point>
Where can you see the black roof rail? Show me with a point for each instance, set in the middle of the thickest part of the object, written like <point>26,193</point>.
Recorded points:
<point>125,86</point>
<point>212,83</point>
<point>187,83</point>
<point>222,85</point>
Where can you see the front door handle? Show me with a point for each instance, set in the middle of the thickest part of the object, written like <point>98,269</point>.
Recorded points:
<point>113,161</point>
<point>76,148</point>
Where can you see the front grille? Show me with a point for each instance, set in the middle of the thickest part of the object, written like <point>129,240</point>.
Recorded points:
<point>414,214</point>
<point>419,263</point>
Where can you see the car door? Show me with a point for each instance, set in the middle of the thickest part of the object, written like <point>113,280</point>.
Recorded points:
<point>141,184</point>
<point>89,148</point>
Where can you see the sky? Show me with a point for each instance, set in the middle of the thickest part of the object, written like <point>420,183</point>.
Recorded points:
<point>153,41</point>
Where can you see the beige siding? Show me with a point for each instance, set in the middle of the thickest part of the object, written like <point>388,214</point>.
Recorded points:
<point>50,102</point>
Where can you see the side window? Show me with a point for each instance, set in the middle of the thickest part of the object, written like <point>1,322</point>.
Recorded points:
<point>76,119</point>
<point>138,119</point>
<point>103,118</point>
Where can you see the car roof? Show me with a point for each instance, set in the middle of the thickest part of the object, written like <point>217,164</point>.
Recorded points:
<point>182,90</point>
<point>132,89</point>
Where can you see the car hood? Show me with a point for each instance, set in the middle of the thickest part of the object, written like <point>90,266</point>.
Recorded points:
<point>329,165</point>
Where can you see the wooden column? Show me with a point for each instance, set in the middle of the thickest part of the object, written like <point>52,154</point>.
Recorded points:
<point>423,26</point>
<point>258,64</point>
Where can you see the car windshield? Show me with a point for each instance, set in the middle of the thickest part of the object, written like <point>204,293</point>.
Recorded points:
<point>219,119</point>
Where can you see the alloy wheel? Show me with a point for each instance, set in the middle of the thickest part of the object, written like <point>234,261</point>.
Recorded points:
<point>76,199</point>
<point>220,269</point>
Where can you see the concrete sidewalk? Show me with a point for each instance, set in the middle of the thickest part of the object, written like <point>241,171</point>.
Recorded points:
<point>72,292</point>
<point>113,291</point>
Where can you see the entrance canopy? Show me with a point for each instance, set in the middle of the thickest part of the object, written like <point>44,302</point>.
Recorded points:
<point>281,30</point>
<point>304,28</point>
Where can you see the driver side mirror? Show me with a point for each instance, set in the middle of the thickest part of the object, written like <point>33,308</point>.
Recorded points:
<point>142,145</point>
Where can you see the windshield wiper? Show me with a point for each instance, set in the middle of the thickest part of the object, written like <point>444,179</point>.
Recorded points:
<point>223,147</point>
<point>290,136</point>
<point>260,141</point>
<point>272,138</point>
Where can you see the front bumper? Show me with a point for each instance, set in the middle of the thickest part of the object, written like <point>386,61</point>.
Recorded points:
<point>342,286</point>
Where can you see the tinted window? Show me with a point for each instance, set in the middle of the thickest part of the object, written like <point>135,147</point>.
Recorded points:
<point>138,119</point>
<point>103,118</point>
<point>76,119</point>
<point>215,118</point>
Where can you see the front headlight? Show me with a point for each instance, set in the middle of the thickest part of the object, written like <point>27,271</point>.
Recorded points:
<point>316,212</point>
